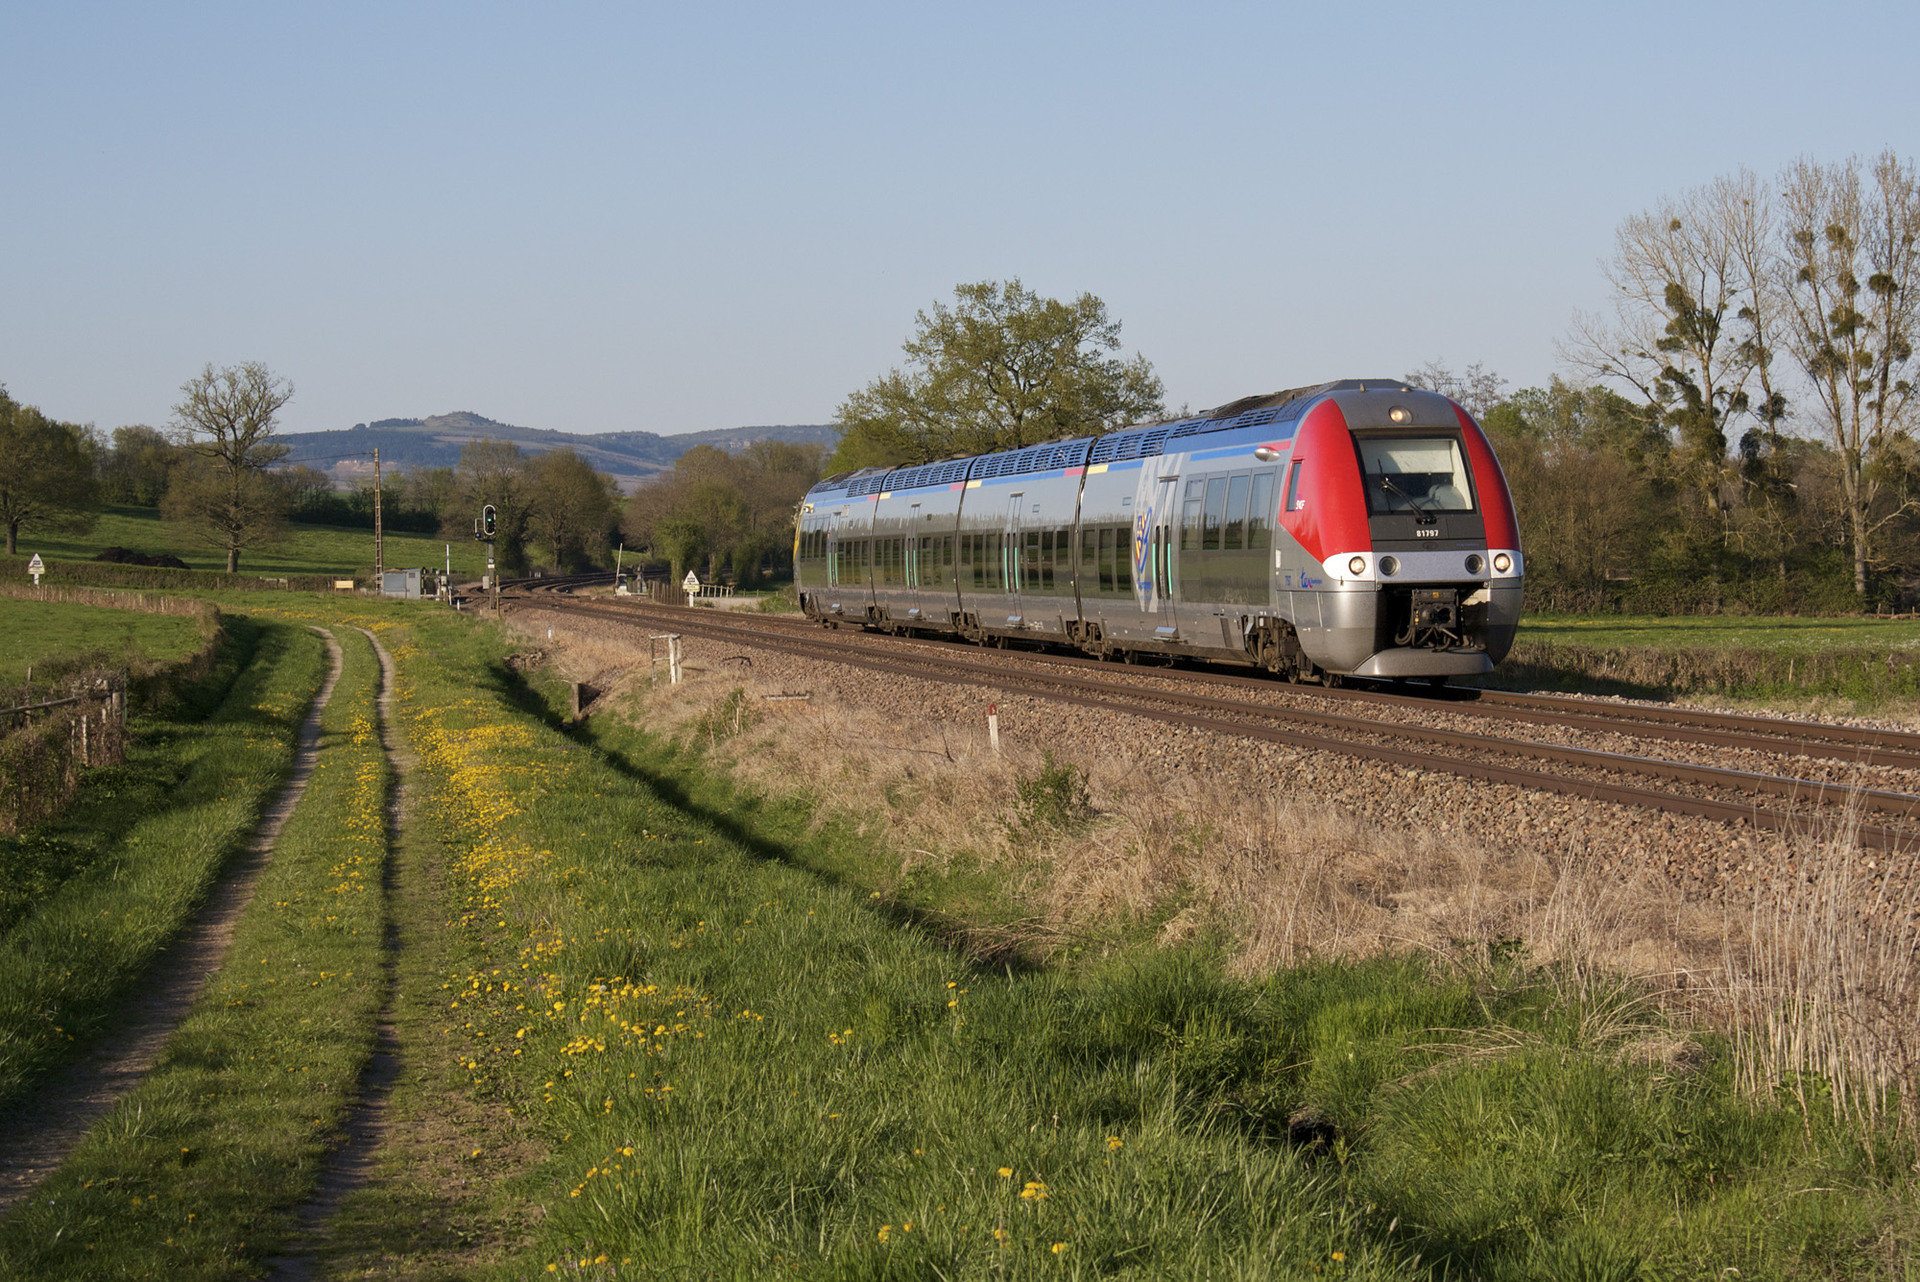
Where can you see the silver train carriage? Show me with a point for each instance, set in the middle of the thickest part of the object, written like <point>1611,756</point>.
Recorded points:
<point>1358,528</point>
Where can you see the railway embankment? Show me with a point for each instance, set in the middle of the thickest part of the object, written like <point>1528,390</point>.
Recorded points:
<point>1588,944</point>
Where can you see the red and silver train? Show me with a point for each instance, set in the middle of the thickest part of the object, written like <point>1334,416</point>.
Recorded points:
<point>1359,528</point>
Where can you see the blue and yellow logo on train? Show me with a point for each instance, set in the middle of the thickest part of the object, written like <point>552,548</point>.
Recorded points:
<point>1142,550</point>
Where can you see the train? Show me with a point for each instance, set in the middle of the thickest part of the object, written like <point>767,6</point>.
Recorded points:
<point>1353,529</point>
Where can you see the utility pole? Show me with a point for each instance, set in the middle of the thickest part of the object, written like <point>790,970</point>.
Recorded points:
<point>379,548</point>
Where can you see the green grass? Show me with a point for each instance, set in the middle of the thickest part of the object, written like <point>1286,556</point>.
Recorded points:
<point>38,631</point>
<point>91,898</point>
<point>744,1065</point>
<point>200,1170</point>
<point>308,549</point>
<point>1719,632</point>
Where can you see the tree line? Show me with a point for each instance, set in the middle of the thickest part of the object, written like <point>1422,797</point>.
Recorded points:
<point>215,477</point>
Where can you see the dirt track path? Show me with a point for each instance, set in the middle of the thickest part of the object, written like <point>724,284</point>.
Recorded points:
<point>351,1164</point>
<point>49,1124</point>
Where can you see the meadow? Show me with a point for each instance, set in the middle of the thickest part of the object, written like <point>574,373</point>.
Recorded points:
<point>308,549</point>
<point>1801,636</point>
<point>39,632</point>
<point>742,1057</point>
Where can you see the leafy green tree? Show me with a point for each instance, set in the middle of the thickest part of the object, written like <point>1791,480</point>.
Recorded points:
<point>726,509</point>
<point>46,472</point>
<point>134,470</point>
<point>1001,368</point>
<point>224,422</point>
<point>492,472</point>
<point>570,507</point>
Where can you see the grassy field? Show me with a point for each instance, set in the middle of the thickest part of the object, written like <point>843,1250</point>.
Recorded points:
<point>92,897</point>
<point>38,631</point>
<point>655,1025</point>
<point>199,1171</point>
<point>739,1060</point>
<point>309,549</point>
<point>1722,632</point>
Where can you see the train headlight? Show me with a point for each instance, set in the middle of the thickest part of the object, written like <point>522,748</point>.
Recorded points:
<point>1398,415</point>
<point>1389,565</point>
<point>1357,565</point>
<point>1475,563</point>
<point>1502,563</point>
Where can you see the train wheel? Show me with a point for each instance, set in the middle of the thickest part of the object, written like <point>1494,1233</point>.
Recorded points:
<point>1331,680</point>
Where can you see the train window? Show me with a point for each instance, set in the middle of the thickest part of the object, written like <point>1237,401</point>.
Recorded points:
<point>1063,558</point>
<point>946,551</point>
<point>1105,553</point>
<point>1190,516</point>
<point>1089,555</point>
<point>1260,511</point>
<point>1216,513</point>
<point>1418,475</point>
<point>1294,499</point>
<point>1235,535</point>
<point>1030,581</point>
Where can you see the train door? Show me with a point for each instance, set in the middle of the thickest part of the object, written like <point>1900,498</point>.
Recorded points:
<point>1013,560</point>
<point>839,569</point>
<point>1165,514</point>
<point>910,559</point>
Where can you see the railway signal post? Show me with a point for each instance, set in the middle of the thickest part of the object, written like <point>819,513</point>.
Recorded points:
<point>483,530</point>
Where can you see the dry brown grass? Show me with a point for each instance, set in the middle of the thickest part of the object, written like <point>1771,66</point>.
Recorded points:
<point>1821,993</point>
<point>1279,881</point>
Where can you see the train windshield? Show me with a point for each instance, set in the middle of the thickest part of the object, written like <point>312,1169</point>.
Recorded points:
<point>1415,474</point>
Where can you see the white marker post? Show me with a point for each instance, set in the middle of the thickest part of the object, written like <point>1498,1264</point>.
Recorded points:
<point>993,725</point>
<point>36,568</point>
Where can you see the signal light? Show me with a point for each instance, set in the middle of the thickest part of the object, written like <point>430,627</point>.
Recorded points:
<point>487,521</point>
<point>1502,562</point>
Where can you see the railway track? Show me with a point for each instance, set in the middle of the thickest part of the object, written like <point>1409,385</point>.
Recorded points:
<point>1349,721</point>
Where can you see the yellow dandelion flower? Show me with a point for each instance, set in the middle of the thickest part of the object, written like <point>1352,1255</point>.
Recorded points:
<point>1006,1172</point>
<point>1059,1247</point>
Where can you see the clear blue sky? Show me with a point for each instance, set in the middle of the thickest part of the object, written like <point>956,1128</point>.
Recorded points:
<point>674,218</point>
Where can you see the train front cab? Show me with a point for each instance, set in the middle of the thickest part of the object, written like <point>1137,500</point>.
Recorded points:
<point>1401,555</point>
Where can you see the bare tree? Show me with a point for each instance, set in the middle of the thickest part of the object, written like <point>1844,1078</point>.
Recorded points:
<point>1852,290</point>
<point>1693,309</point>
<point>1478,389</point>
<point>225,420</point>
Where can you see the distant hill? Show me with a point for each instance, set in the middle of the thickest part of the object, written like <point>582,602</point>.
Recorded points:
<point>435,441</point>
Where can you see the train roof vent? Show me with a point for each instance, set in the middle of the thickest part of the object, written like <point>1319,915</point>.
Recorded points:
<point>1034,458</point>
<point>1119,447</point>
<point>868,482</point>
<point>945,472</point>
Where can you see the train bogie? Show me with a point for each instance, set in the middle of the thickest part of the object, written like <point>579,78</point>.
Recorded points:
<point>1352,528</point>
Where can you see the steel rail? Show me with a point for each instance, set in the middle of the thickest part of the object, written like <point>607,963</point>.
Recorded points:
<point>1107,696</point>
